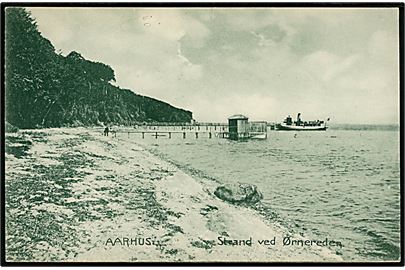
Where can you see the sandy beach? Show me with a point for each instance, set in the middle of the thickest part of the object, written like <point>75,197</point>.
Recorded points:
<point>74,195</point>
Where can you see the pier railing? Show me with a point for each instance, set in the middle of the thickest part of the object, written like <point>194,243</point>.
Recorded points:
<point>215,130</point>
<point>170,134</point>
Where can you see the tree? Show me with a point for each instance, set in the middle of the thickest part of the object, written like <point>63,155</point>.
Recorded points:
<point>47,89</point>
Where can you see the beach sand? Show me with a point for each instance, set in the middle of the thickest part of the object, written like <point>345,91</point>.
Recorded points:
<point>73,195</point>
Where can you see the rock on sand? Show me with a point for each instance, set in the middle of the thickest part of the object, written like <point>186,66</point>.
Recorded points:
<point>239,193</point>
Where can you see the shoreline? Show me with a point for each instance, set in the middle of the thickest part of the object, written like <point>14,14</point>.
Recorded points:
<point>118,190</point>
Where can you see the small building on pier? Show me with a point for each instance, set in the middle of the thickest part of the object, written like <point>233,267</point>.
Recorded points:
<point>238,127</point>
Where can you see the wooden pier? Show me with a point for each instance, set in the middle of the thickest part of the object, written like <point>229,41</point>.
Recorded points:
<point>170,134</point>
<point>201,130</point>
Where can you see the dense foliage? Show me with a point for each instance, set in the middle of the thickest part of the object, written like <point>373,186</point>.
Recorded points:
<point>47,89</point>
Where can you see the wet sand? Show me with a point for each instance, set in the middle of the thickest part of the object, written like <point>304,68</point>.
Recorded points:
<point>74,195</point>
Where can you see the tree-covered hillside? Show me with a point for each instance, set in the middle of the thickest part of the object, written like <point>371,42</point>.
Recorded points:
<point>46,89</point>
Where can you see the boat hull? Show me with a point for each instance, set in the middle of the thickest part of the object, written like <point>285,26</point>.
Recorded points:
<point>300,128</point>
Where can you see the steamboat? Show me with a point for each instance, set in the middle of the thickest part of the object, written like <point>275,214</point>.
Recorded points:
<point>300,125</point>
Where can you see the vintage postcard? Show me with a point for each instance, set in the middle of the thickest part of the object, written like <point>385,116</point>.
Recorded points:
<point>202,133</point>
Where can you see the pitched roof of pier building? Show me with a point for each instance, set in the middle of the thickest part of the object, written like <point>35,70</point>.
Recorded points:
<point>238,117</point>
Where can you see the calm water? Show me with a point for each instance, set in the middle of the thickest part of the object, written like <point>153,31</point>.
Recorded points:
<point>339,184</point>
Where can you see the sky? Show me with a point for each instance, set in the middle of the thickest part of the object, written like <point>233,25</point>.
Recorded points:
<point>265,63</point>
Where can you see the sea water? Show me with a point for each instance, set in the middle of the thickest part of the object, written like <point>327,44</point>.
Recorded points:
<point>343,185</point>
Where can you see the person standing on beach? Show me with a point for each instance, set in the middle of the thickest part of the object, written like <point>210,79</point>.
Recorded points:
<point>106,130</point>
